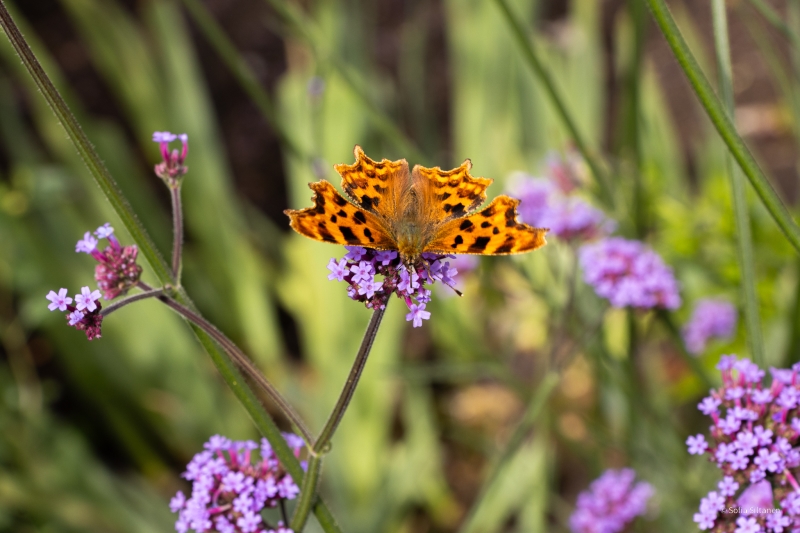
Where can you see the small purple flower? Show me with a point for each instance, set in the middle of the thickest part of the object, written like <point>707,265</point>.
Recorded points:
<point>747,525</point>
<point>418,314</point>
<point>177,502</point>
<point>86,299</point>
<point>75,317</point>
<point>86,245</point>
<point>697,445</point>
<point>728,487</point>
<point>58,301</point>
<point>710,319</point>
<point>628,274</point>
<point>611,502</point>
<point>355,253</point>
<point>105,231</point>
<point>338,269</point>
<point>363,271</point>
<point>709,405</point>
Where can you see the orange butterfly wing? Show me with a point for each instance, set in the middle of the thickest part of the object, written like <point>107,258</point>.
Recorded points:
<point>333,219</point>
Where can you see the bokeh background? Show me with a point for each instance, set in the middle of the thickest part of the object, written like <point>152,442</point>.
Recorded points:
<point>94,435</point>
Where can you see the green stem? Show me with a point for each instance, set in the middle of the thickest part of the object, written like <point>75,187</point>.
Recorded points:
<point>533,61</point>
<point>321,444</point>
<point>640,200</point>
<point>177,232</point>
<point>308,493</point>
<point>723,124</point>
<point>102,177</point>
<point>529,419</point>
<point>744,240</point>
<point>149,293</point>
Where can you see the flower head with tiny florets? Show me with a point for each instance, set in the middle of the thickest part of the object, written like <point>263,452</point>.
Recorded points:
<point>232,482</point>
<point>373,275</point>
<point>116,271</point>
<point>544,204</point>
<point>629,274</point>
<point>612,501</point>
<point>753,440</point>
<point>171,169</point>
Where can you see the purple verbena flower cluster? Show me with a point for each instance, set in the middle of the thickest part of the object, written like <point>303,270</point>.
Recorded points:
<point>230,487</point>
<point>611,502</point>
<point>171,169</point>
<point>710,319</point>
<point>629,274</point>
<point>754,438</point>
<point>545,204</point>
<point>84,315</point>
<point>373,275</point>
<point>116,271</point>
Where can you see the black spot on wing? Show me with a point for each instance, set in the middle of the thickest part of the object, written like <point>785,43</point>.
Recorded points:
<point>334,219</point>
<point>485,224</point>
<point>489,211</point>
<point>466,226</point>
<point>506,247</point>
<point>341,213</point>
<point>339,200</point>
<point>445,196</point>
<point>359,218</point>
<point>459,240</point>
<point>458,210</point>
<point>325,235</point>
<point>367,202</point>
<point>480,244</point>
<point>347,233</point>
<point>368,235</point>
<point>495,231</point>
<point>319,206</point>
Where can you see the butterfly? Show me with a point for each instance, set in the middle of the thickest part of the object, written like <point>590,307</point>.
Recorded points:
<point>427,210</point>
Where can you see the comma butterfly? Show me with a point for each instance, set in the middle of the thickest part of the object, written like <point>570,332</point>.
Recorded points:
<point>427,210</point>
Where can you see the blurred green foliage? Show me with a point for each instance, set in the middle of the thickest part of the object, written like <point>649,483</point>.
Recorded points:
<point>94,435</point>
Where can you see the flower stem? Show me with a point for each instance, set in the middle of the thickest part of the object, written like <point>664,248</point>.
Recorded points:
<point>244,363</point>
<point>321,444</point>
<point>177,232</point>
<point>744,240</point>
<point>722,122</point>
<point>693,362</point>
<point>552,92</point>
<point>150,293</point>
<point>308,493</point>
<point>529,419</point>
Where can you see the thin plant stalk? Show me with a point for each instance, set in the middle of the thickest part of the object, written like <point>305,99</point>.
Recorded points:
<point>744,239</point>
<point>226,367</point>
<point>151,293</point>
<point>544,77</point>
<point>177,232</point>
<point>322,444</point>
<point>722,122</point>
<point>308,493</point>
<point>529,419</point>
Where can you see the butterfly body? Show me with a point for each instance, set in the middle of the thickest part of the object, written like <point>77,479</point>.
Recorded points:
<point>426,210</point>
